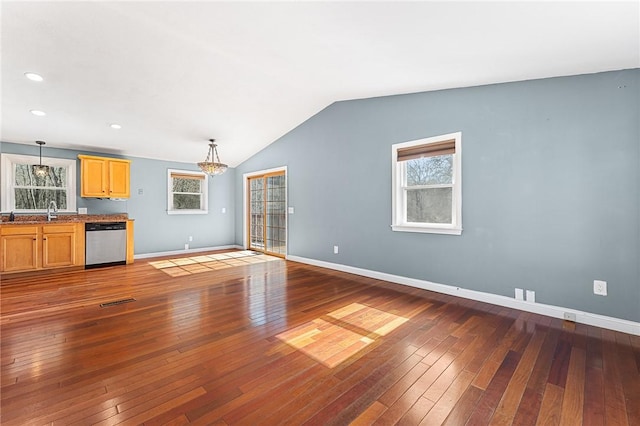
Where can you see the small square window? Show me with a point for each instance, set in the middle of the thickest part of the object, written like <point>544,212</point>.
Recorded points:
<point>187,192</point>
<point>427,185</point>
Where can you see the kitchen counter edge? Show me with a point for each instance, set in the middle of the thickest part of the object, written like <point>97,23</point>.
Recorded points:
<point>65,218</point>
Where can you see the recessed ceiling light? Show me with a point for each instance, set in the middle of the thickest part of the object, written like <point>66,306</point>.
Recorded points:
<point>33,76</point>
<point>38,113</point>
<point>115,126</point>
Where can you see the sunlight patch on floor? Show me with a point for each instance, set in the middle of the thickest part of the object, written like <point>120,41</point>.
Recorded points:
<point>205,263</point>
<point>342,333</point>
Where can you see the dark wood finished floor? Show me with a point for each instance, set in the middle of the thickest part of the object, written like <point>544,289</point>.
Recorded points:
<point>280,342</point>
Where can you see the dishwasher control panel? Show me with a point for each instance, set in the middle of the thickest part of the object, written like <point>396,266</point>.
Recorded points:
<point>105,226</point>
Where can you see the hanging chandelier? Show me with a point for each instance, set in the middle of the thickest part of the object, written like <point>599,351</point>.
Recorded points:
<point>38,169</point>
<point>212,165</point>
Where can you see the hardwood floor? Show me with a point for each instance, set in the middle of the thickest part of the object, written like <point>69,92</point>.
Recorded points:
<point>278,342</point>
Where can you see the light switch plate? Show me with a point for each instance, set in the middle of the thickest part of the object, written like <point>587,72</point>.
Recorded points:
<point>290,210</point>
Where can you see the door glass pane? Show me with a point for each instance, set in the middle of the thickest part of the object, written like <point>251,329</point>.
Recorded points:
<point>256,213</point>
<point>276,211</point>
<point>267,217</point>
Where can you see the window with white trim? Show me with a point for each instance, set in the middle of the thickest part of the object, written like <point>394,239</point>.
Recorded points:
<point>427,185</point>
<point>187,192</point>
<point>25,192</point>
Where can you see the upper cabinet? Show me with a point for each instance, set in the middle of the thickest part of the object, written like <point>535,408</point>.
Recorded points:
<point>104,177</point>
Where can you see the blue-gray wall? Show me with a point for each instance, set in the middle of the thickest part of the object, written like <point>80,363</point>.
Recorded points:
<point>551,188</point>
<point>154,230</point>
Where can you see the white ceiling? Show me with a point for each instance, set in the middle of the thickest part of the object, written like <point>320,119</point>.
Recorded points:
<point>175,74</point>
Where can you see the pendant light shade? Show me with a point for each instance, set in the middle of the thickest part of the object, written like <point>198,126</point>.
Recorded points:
<point>39,170</point>
<point>212,165</point>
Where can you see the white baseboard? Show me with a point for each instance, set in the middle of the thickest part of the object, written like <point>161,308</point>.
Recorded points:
<point>194,250</point>
<point>597,320</point>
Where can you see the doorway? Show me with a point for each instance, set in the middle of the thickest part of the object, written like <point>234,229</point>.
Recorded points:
<point>267,213</point>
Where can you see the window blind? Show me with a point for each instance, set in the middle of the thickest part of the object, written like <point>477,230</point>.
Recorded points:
<point>427,150</point>
<point>186,176</point>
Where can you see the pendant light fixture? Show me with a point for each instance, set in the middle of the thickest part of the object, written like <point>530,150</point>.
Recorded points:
<point>212,165</point>
<point>38,169</point>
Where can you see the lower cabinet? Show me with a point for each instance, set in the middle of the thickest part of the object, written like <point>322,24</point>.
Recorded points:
<point>58,246</point>
<point>20,248</point>
<point>34,247</point>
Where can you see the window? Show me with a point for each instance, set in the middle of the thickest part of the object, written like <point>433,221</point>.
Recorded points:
<point>24,192</point>
<point>427,185</point>
<point>187,192</point>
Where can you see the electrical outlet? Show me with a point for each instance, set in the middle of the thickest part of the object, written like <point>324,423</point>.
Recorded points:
<point>531,296</point>
<point>570,316</point>
<point>335,249</point>
<point>600,287</point>
<point>190,238</point>
<point>224,210</point>
<point>519,294</point>
<point>186,246</point>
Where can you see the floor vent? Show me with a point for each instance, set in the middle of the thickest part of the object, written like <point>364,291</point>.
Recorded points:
<point>117,302</point>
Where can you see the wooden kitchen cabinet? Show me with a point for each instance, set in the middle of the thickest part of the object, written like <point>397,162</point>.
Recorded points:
<point>103,177</point>
<point>59,245</point>
<point>119,177</point>
<point>20,247</point>
<point>41,246</point>
<point>129,241</point>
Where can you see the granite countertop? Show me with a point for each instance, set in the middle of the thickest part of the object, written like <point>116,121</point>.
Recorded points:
<point>65,218</point>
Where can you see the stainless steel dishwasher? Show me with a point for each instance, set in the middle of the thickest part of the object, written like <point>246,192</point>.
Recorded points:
<point>105,244</point>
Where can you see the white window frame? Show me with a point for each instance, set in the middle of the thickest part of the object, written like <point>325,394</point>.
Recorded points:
<point>7,179</point>
<point>205,193</point>
<point>398,189</point>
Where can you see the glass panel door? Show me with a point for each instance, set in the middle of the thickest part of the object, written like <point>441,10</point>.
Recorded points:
<point>256,214</point>
<point>276,234</point>
<point>268,213</point>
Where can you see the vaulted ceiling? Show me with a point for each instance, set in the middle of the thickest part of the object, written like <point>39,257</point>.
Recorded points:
<point>174,74</point>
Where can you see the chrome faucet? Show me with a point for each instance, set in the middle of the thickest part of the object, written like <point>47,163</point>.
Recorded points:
<point>49,212</point>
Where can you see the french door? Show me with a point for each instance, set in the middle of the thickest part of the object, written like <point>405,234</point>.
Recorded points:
<point>267,211</point>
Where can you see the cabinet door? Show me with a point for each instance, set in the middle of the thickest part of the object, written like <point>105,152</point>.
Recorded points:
<point>58,249</point>
<point>94,178</point>
<point>19,252</point>
<point>119,179</point>
<point>59,245</point>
